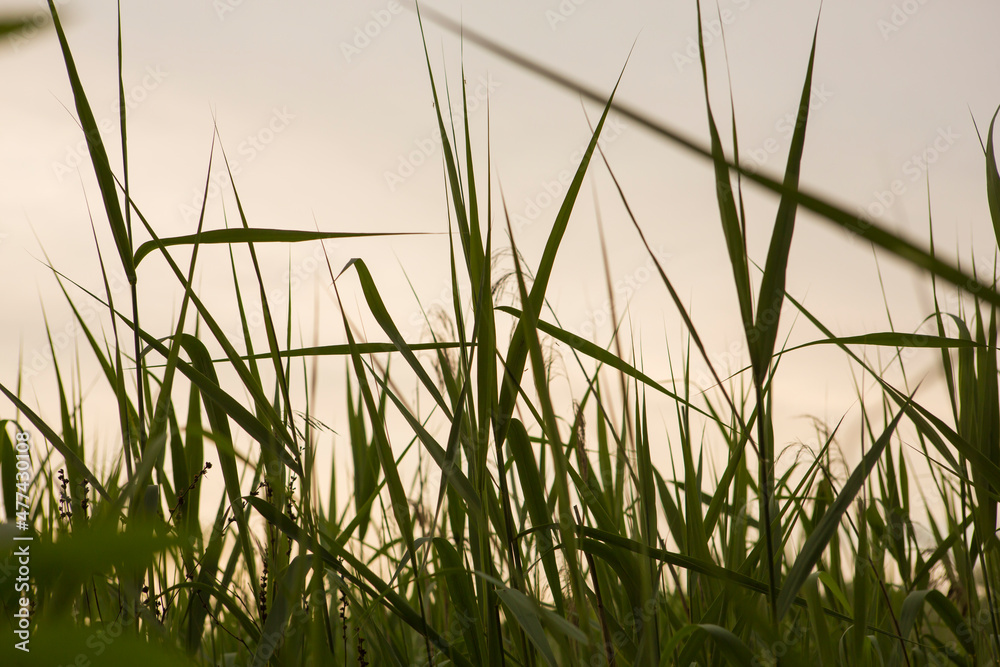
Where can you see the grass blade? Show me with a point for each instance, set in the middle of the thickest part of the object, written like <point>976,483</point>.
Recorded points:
<point>819,538</point>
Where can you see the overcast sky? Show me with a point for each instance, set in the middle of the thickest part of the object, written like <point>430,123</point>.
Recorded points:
<point>325,112</point>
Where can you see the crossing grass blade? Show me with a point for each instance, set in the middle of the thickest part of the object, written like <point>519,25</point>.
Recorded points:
<point>239,235</point>
<point>72,459</point>
<point>517,353</point>
<point>400,503</point>
<point>606,357</point>
<point>827,211</point>
<point>336,558</point>
<point>817,542</point>
<point>378,309</point>
<point>603,523</point>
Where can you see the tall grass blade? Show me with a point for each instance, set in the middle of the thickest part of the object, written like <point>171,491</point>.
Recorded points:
<point>98,155</point>
<point>993,179</point>
<point>827,210</point>
<point>517,353</point>
<point>817,542</point>
<point>772,287</point>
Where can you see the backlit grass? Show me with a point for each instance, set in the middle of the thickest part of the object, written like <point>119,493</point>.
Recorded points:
<point>491,526</point>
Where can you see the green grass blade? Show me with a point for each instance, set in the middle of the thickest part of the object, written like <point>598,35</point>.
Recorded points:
<point>444,459</point>
<point>10,24</point>
<point>287,596</point>
<point>98,155</point>
<point>378,309</point>
<point>517,353</point>
<point>945,608</point>
<point>71,458</point>
<point>993,179</point>
<point>772,287</point>
<point>818,540</point>
<point>533,489</point>
<point>253,235</point>
<point>731,227</point>
<point>8,471</point>
<point>827,210</point>
<point>605,357</point>
<point>339,560</point>
<point>524,612</point>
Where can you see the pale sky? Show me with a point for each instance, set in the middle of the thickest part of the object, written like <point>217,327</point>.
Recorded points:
<point>324,109</point>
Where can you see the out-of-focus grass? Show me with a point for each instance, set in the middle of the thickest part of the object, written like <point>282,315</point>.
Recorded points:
<point>529,536</point>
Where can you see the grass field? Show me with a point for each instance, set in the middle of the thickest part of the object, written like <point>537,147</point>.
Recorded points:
<point>485,523</point>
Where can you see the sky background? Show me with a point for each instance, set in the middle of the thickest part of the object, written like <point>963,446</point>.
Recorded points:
<point>325,112</point>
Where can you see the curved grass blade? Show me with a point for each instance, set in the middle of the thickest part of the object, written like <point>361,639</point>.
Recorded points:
<point>818,540</point>
<point>524,612</point>
<point>378,309</point>
<point>823,207</point>
<point>337,558</point>
<point>254,235</point>
<point>730,646</point>
<point>397,495</point>
<point>945,608</point>
<point>71,458</point>
<point>210,388</point>
<point>252,384</point>
<point>218,417</point>
<point>14,24</point>
<point>602,355</point>
<point>517,353</point>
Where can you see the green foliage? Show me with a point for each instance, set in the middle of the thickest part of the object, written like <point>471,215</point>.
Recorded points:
<point>517,540</point>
